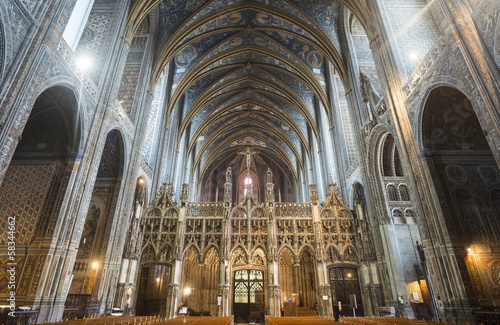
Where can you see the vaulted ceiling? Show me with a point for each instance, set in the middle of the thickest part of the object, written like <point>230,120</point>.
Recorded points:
<point>247,73</point>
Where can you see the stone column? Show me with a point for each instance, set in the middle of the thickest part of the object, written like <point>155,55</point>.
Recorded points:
<point>295,273</point>
<point>324,306</point>
<point>164,136</point>
<point>225,261</point>
<point>273,288</point>
<point>173,291</point>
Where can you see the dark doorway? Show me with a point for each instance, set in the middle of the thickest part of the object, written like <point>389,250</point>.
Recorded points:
<point>248,304</point>
<point>344,283</point>
<point>141,306</point>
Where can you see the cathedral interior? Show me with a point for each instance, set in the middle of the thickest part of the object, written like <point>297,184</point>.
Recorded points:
<point>238,157</point>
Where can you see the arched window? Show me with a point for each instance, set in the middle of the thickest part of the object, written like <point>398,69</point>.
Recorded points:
<point>391,193</point>
<point>391,164</point>
<point>248,181</point>
<point>397,214</point>
<point>409,213</point>
<point>403,193</point>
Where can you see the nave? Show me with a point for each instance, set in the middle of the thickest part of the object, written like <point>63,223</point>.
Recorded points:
<point>250,159</point>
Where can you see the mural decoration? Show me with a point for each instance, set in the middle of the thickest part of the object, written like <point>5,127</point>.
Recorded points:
<point>185,57</point>
<point>19,26</point>
<point>89,232</point>
<point>37,137</point>
<point>94,37</point>
<point>5,275</point>
<point>325,13</point>
<point>248,141</point>
<point>452,125</point>
<point>111,156</point>
<point>132,71</point>
<point>26,187</point>
<point>214,44</point>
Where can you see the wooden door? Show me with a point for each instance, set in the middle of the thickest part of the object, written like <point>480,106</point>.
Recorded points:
<point>248,303</point>
<point>344,283</point>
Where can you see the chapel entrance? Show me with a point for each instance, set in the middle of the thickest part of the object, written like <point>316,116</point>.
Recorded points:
<point>248,304</point>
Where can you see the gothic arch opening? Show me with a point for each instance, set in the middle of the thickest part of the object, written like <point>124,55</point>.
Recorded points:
<point>155,258</point>
<point>466,178</point>
<point>392,179</point>
<point>307,279</point>
<point>88,286</point>
<point>199,282</point>
<point>40,163</point>
<point>37,181</point>
<point>151,285</point>
<point>391,164</point>
<point>344,280</point>
<point>249,287</point>
<point>248,181</point>
<point>288,283</point>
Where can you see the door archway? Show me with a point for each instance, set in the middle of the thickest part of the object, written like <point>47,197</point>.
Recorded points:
<point>249,287</point>
<point>465,174</point>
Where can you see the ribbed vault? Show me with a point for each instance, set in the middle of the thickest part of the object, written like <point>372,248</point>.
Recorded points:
<point>247,72</point>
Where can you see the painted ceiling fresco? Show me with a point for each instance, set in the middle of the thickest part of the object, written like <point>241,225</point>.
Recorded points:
<point>248,73</point>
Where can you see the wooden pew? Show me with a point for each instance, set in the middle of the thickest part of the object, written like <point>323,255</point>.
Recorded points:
<point>147,320</point>
<point>306,312</point>
<point>385,321</point>
<point>229,320</point>
<point>310,320</point>
<point>348,321</point>
<point>110,320</point>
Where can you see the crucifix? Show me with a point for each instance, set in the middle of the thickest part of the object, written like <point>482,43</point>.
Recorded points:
<point>248,154</point>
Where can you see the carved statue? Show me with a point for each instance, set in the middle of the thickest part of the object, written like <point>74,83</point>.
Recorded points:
<point>314,193</point>
<point>358,195</point>
<point>370,95</point>
<point>139,195</point>
<point>248,155</point>
<point>228,175</point>
<point>269,175</point>
<point>184,193</point>
<point>228,187</point>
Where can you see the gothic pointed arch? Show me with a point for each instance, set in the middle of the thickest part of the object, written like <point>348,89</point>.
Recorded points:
<point>451,129</point>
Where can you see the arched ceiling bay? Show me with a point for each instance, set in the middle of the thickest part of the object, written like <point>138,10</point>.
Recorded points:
<point>247,72</point>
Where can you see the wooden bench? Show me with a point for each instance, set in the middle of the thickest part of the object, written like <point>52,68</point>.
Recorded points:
<point>315,320</point>
<point>384,321</point>
<point>310,320</point>
<point>306,312</point>
<point>229,320</point>
<point>110,320</point>
<point>147,320</point>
